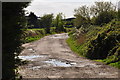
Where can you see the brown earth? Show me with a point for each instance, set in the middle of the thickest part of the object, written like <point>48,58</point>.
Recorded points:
<point>50,57</point>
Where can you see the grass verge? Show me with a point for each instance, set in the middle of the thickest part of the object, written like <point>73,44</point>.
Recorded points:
<point>34,38</point>
<point>115,64</point>
<point>78,49</point>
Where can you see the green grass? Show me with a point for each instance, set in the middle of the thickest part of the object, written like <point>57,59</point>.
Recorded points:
<point>99,60</point>
<point>79,49</point>
<point>30,39</point>
<point>37,34</point>
<point>37,37</point>
<point>35,29</point>
<point>115,64</point>
<point>68,29</point>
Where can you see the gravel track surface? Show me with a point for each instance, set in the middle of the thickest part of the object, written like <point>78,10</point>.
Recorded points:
<point>50,57</point>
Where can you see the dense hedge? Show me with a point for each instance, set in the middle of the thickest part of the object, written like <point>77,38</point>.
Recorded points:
<point>12,21</point>
<point>100,43</point>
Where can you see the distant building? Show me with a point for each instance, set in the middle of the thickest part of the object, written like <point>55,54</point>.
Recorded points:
<point>69,19</point>
<point>69,22</point>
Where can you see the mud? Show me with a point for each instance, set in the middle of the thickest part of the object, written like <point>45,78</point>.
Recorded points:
<point>50,57</point>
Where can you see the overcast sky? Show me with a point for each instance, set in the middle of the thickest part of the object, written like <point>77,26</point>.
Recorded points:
<point>41,7</point>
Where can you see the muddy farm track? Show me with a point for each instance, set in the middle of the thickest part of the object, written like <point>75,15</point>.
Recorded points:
<point>50,57</point>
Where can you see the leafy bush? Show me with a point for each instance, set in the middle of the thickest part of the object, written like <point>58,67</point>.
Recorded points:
<point>105,17</point>
<point>101,43</point>
<point>30,35</point>
<point>13,18</point>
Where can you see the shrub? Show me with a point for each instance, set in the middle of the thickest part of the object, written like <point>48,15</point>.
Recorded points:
<point>104,43</point>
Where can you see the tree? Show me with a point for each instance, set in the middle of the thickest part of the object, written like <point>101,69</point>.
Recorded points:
<point>100,12</point>
<point>101,7</point>
<point>32,20</point>
<point>119,10</point>
<point>82,15</point>
<point>59,23</point>
<point>84,11</point>
<point>12,21</point>
<point>105,17</point>
<point>46,22</point>
<point>80,21</point>
<point>69,22</point>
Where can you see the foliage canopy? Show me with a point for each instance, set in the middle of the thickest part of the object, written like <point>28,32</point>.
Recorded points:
<point>12,21</point>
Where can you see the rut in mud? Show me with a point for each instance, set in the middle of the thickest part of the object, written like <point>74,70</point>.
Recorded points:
<point>50,57</point>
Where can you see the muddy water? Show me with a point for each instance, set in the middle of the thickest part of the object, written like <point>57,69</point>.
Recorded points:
<point>31,57</point>
<point>58,63</point>
<point>53,62</point>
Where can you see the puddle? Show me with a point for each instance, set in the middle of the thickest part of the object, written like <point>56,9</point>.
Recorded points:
<point>30,49</point>
<point>56,63</point>
<point>60,36</point>
<point>35,67</point>
<point>38,67</point>
<point>104,73</point>
<point>31,57</point>
<point>88,65</point>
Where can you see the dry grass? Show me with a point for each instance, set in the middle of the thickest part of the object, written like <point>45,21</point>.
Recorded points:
<point>81,39</point>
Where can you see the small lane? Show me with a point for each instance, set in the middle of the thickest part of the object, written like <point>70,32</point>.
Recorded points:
<point>50,57</point>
